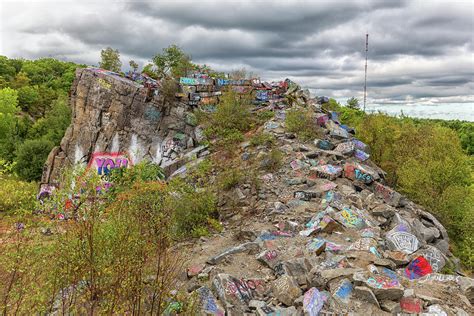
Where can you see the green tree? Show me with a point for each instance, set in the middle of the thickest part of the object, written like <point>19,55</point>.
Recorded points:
<point>133,65</point>
<point>353,103</point>
<point>53,125</point>
<point>27,97</point>
<point>110,59</point>
<point>8,109</point>
<point>173,62</point>
<point>150,70</point>
<point>30,158</point>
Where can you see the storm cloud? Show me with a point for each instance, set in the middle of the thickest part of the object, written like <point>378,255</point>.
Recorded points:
<point>420,52</point>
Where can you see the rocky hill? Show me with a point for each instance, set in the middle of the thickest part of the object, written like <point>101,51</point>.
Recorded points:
<point>326,235</point>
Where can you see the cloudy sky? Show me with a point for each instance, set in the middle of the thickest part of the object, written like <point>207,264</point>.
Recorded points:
<point>421,53</point>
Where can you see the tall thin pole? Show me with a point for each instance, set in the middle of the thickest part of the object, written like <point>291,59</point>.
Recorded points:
<point>365,81</point>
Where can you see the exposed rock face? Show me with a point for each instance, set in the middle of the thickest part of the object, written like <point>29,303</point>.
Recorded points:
<point>116,115</point>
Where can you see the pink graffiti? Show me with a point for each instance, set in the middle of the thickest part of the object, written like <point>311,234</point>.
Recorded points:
<point>243,289</point>
<point>104,162</point>
<point>270,255</point>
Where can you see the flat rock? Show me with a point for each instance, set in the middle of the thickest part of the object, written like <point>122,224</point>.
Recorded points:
<point>286,289</point>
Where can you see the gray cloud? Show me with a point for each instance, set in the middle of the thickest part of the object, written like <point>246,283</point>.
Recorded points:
<point>418,51</point>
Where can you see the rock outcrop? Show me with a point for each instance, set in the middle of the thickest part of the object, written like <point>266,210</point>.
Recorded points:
<point>122,120</point>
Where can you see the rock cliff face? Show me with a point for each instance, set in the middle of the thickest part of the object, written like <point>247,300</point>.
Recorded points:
<point>116,117</point>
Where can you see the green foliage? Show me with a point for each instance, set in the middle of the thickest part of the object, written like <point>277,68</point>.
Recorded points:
<point>16,195</point>
<point>28,96</point>
<point>265,115</point>
<point>110,59</point>
<point>133,64</point>
<point>149,70</point>
<point>229,121</point>
<point>172,62</point>
<point>124,178</point>
<point>8,109</point>
<point>230,178</point>
<point>52,126</point>
<point>36,108</point>
<point>301,122</point>
<point>262,139</point>
<point>30,158</point>
<point>191,208</point>
<point>273,160</point>
<point>353,103</point>
<point>332,105</point>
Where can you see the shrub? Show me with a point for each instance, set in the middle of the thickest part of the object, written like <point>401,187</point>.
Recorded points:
<point>301,122</point>
<point>124,178</point>
<point>230,178</point>
<point>113,259</point>
<point>273,160</point>
<point>30,158</point>
<point>263,116</point>
<point>16,195</point>
<point>191,209</point>
<point>232,116</point>
<point>262,139</point>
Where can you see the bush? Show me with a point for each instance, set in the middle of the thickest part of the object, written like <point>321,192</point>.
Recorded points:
<point>191,209</point>
<point>30,158</point>
<point>301,122</point>
<point>230,178</point>
<point>124,178</point>
<point>232,116</point>
<point>265,115</point>
<point>262,139</point>
<point>273,160</point>
<point>16,195</point>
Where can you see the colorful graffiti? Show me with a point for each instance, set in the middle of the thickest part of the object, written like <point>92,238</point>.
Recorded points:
<point>411,305</point>
<point>345,148</point>
<point>104,83</point>
<point>330,172</point>
<point>208,302</point>
<point>354,173</point>
<point>343,291</point>
<point>440,278</point>
<point>243,289</point>
<point>263,95</point>
<point>313,301</point>
<point>417,268</point>
<point>45,192</point>
<point>104,162</point>
<point>382,282</point>
<point>403,241</point>
<point>435,258</point>
<point>270,255</point>
<point>361,155</point>
<point>350,219</point>
<point>196,81</point>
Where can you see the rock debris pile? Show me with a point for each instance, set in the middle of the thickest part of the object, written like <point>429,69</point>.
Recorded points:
<point>328,238</point>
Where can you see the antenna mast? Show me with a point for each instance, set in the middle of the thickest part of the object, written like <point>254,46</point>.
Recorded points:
<point>365,81</point>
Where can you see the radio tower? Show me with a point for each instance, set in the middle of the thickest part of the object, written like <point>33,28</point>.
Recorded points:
<point>365,81</point>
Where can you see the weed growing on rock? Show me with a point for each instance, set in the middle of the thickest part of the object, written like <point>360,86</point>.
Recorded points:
<point>301,122</point>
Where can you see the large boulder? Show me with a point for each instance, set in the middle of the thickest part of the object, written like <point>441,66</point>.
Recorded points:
<point>118,122</point>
